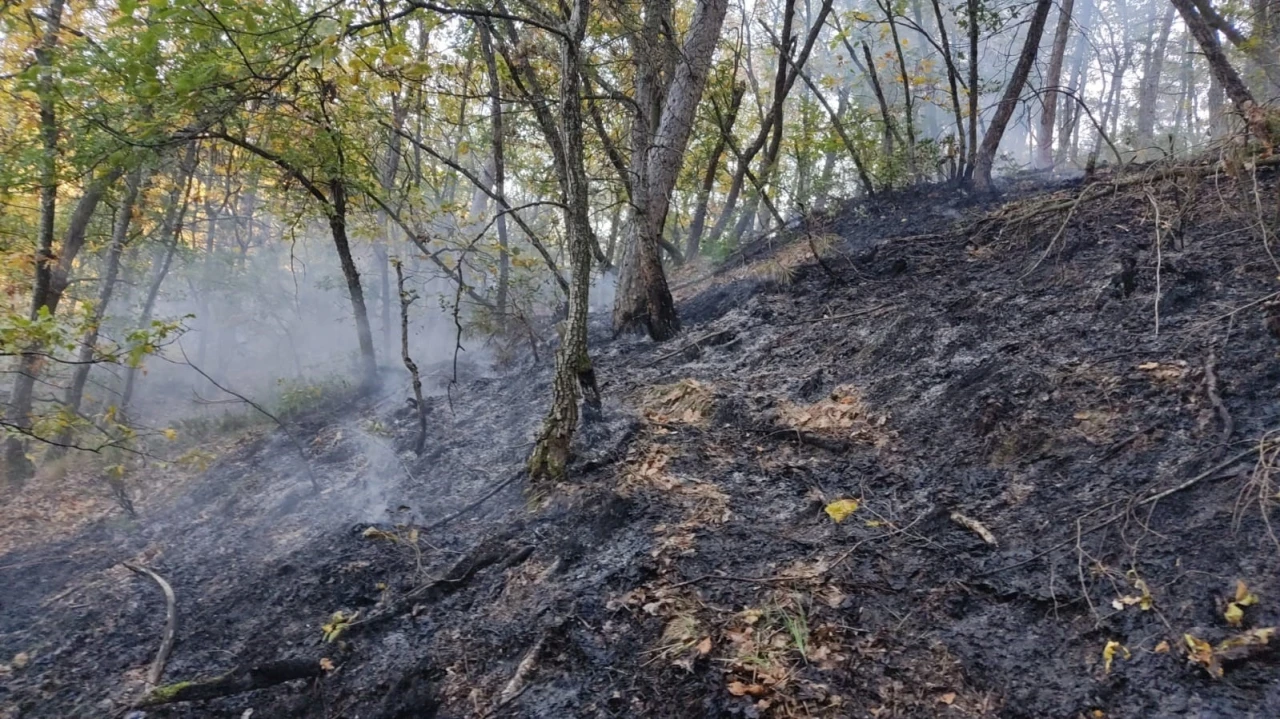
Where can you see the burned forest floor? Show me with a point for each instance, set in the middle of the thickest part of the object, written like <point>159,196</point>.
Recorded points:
<point>928,455</point>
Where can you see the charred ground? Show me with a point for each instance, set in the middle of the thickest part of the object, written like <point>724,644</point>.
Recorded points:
<point>954,365</point>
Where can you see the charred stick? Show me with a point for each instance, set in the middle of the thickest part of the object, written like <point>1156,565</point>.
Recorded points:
<point>236,681</point>
<point>1211,389</point>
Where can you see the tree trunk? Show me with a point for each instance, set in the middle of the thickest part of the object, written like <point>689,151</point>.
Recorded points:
<point>1044,141</point>
<point>972,6</point>
<point>574,372</point>
<point>338,227</point>
<point>885,117</point>
<point>1067,133</point>
<point>1149,90</point>
<point>725,123</point>
<point>499,171</point>
<point>766,126</point>
<point>18,468</point>
<point>171,234</point>
<point>643,297</point>
<point>46,302</point>
<point>106,288</point>
<point>1226,75</point>
<point>1009,102</point>
<point>953,77</point>
<point>906,92</point>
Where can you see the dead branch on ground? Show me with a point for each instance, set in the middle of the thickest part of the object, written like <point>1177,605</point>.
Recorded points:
<point>236,681</point>
<point>170,623</point>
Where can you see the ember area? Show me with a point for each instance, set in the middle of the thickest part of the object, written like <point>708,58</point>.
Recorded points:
<point>925,455</point>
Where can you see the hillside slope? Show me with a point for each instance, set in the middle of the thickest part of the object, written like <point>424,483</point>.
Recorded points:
<point>1058,438</point>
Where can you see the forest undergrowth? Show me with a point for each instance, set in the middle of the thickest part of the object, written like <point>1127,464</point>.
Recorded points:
<point>926,455</point>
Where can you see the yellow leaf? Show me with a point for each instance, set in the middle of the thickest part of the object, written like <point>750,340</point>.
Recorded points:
<point>326,664</point>
<point>1162,648</point>
<point>1234,614</point>
<point>1244,597</point>
<point>1109,654</point>
<point>840,509</point>
<point>170,434</point>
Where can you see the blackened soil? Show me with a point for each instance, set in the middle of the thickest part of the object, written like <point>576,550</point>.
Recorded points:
<point>954,365</point>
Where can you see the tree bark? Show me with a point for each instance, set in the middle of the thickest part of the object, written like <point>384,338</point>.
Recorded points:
<point>1009,102</point>
<point>885,117</point>
<point>364,334</point>
<point>574,371</point>
<point>698,225</point>
<point>1223,72</point>
<point>1044,141</point>
<point>1149,90</point>
<point>643,297</point>
<point>171,233</point>
<point>106,288</point>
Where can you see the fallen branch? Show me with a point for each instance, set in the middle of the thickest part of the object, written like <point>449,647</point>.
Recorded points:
<point>845,316</point>
<point>689,346</point>
<point>170,623</point>
<point>496,488</point>
<point>236,681</point>
<point>1211,472</point>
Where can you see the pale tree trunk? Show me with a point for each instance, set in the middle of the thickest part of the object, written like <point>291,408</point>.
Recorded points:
<point>388,170</point>
<point>1009,102</point>
<point>1149,90</point>
<point>644,297</point>
<point>171,235</point>
<point>1043,159</point>
<point>106,289</point>
<point>573,371</point>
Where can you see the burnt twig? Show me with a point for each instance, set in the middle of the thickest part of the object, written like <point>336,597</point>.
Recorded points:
<point>406,299</point>
<point>236,681</point>
<point>1211,389</point>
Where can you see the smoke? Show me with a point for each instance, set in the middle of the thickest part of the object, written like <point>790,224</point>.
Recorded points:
<point>603,288</point>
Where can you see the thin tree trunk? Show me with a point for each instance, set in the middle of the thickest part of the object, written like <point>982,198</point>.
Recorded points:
<point>499,171</point>
<point>171,234</point>
<point>574,371</point>
<point>748,155</point>
<point>724,122</point>
<point>953,76</point>
<point>906,91</point>
<point>885,117</point>
<point>1009,102</point>
<point>106,288</point>
<point>406,298</point>
<point>973,6</point>
<point>338,227</point>
<point>643,296</point>
<point>1149,90</point>
<point>20,400</point>
<point>1227,77</point>
<point>1044,142</point>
